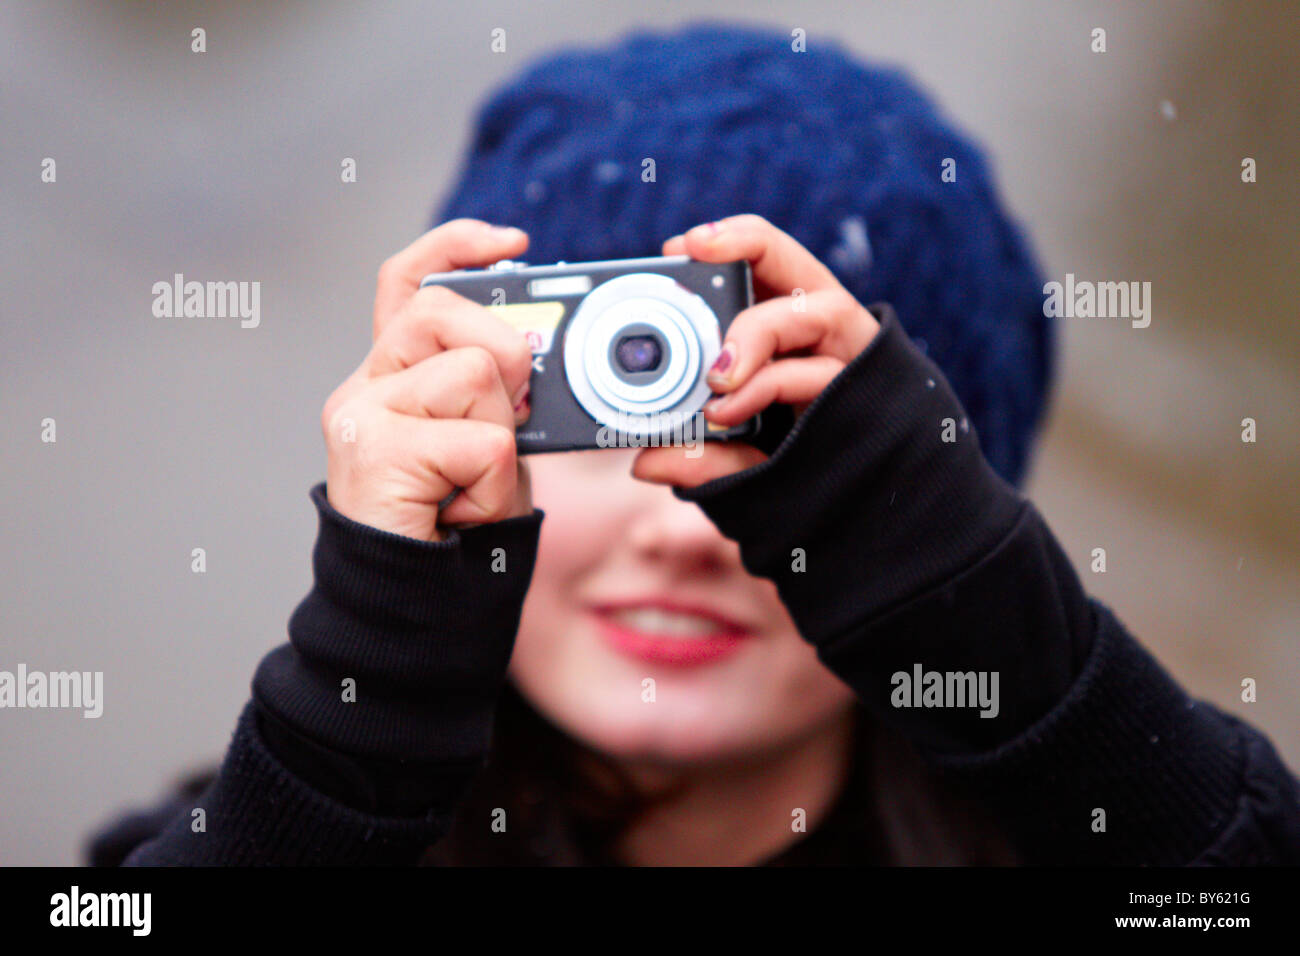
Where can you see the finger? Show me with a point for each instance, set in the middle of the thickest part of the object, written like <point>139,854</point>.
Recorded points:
<point>479,459</point>
<point>461,383</point>
<point>676,246</point>
<point>468,514</point>
<point>475,459</point>
<point>829,322</point>
<point>791,381</point>
<point>780,264</point>
<point>455,244</point>
<point>671,466</point>
<point>436,319</point>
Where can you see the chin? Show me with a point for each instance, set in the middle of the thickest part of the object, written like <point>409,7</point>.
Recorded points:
<point>662,737</point>
<point>682,727</point>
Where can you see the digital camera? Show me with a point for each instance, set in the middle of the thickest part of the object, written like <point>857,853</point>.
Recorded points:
<point>620,348</point>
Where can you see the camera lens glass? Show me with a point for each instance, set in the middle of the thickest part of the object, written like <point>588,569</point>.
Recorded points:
<point>639,353</point>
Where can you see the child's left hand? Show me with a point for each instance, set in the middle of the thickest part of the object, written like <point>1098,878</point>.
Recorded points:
<point>803,330</point>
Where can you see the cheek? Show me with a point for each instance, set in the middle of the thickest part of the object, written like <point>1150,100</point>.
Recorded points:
<point>586,501</point>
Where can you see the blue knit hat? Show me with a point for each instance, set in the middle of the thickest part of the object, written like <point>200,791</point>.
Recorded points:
<point>845,158</point>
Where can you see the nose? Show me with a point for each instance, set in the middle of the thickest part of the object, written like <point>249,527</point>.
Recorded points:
<point>670,530</point>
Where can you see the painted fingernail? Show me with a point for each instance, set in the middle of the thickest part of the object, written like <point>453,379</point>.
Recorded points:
<point>522,401</point>
<point>723,362</point>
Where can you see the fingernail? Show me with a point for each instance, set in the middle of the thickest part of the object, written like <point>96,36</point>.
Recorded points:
<point>507,232</point>
<point>523,399</point>
<point>723,362</point>
<point>707,230</point>
<point>674,238</point>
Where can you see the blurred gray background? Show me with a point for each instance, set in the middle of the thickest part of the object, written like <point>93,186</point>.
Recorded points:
<point>175,434</point>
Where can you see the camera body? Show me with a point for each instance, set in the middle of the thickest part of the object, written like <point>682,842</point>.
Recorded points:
<point>620,348</point>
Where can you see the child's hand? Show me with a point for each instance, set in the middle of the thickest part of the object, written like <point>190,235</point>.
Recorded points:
<point>786,348</point>
<point>434,405</point>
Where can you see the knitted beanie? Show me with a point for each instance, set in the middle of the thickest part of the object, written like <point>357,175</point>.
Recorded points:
<point>848,159</point>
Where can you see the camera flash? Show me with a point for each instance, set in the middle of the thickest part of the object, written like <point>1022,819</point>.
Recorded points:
<point>558,286</point>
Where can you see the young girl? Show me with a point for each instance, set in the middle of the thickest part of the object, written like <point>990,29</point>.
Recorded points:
<point>856,644</point>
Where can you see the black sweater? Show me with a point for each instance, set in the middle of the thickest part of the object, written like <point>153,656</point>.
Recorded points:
<point>913,552</point>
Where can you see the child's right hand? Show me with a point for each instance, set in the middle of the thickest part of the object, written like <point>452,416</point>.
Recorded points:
<point>433,407</point>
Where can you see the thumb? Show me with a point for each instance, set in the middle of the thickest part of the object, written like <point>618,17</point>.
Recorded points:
<point>676,466</point>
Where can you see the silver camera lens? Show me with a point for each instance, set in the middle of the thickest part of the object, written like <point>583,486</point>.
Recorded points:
<point>637,346</point>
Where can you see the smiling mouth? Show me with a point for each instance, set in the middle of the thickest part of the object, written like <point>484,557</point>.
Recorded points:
<point>662,623</point>
<point>665,635</point>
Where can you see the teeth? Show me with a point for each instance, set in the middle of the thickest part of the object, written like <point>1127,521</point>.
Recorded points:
<point>672,623</point>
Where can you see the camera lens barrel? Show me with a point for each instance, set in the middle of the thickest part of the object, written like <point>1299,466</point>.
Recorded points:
<point>637,346</point>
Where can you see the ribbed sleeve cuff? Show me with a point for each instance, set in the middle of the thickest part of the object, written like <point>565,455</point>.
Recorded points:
<point>399,650</point>
<point>865,484</point>
<point>1017,623</point>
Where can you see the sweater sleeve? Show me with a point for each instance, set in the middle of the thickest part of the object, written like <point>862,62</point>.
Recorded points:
<point>939,594</point>
<point>366,728</point>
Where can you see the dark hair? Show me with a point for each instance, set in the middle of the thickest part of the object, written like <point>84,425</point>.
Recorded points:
<point>566,804</point>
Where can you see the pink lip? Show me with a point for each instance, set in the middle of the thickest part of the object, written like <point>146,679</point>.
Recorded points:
<point>669,648</point>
